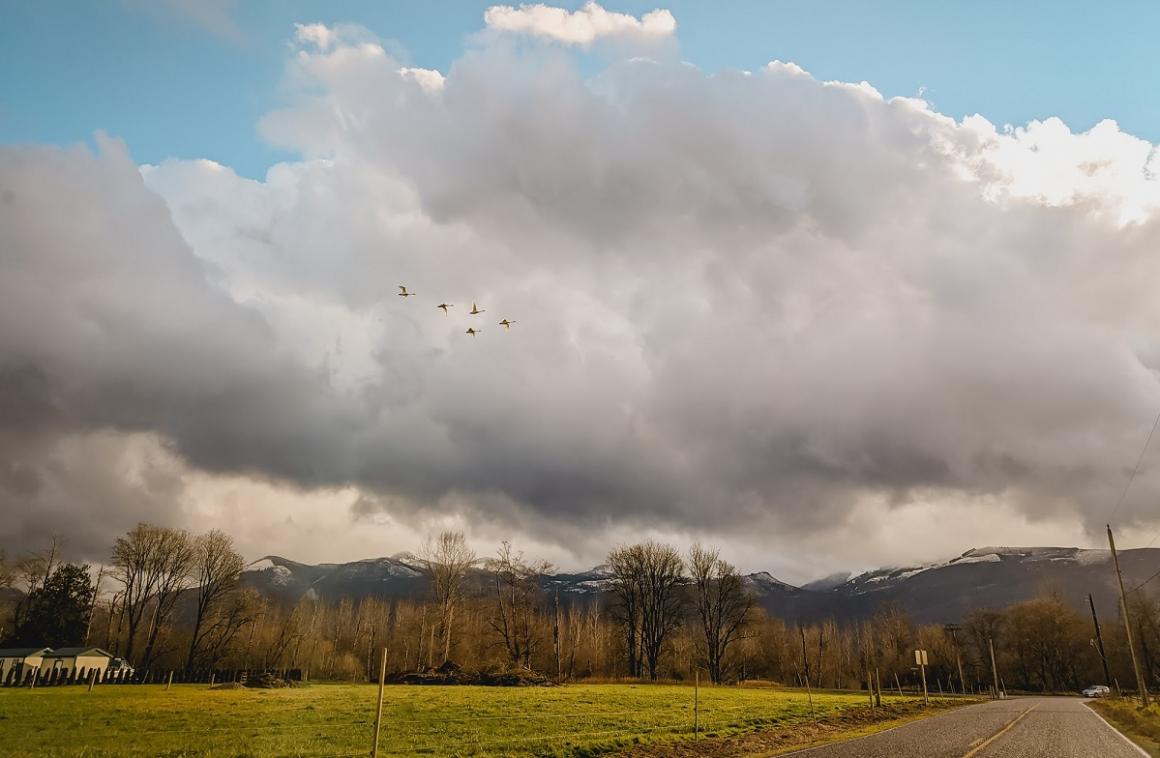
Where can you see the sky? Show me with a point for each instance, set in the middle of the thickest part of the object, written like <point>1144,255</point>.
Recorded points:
<point>830,285</point>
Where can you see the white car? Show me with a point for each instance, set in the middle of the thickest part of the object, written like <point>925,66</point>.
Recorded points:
<point>1097,690</point>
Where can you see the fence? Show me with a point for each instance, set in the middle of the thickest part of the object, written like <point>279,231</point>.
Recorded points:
<point>22,675</point>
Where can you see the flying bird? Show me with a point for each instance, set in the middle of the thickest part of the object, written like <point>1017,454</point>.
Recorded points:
<point>445,306</point>
<point>473,331</point>
<point>506,324</point>
<point>475,311</point>
<point>403,292</point>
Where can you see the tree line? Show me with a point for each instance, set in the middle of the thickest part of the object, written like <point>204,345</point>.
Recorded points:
<point>171,599</point>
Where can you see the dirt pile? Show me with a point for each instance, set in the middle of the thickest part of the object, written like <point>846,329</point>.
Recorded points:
<point>451,673</point>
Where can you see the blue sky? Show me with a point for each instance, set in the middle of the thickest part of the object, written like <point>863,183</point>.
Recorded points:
<point>171,84</point>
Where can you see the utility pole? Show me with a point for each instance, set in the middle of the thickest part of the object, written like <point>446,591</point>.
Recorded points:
<point>1100,642</point>
<point>556,636</point>
<point>1140,683</point>
<point>994,670</point>
<point>953,629</point>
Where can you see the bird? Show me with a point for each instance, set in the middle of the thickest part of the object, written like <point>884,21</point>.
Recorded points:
<point>506,324</point>
<point>475,310</point>
<point>403,292</point>
<point>445,306</point>
<point>473,331</point>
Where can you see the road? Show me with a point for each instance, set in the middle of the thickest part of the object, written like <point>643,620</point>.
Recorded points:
<point>1025,727</point>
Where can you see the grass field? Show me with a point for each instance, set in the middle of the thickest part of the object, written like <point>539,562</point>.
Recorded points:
<point>337,719</point>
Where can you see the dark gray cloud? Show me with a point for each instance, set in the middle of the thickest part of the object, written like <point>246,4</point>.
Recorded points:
<point>747,305</point>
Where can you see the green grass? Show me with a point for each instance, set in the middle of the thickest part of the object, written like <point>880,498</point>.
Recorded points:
<point>337,719</point>
<point>1141,725</point>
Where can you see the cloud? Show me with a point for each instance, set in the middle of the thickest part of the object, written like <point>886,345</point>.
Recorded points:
<point>762,309</point>
<point>580,28</point>
<point>428,79</point>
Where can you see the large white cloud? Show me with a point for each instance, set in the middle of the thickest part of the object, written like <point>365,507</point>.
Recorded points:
<point>760,307</point>
<point>583,27</point>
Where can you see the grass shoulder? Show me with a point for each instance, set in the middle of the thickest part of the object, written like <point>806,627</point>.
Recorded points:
<point>1141,725</point>
<point>778,739</point>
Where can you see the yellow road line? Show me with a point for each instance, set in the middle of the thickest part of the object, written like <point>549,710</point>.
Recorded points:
<point>975,751</point>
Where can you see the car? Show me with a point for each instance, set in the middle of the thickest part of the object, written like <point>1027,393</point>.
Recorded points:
<point>1097,690</point>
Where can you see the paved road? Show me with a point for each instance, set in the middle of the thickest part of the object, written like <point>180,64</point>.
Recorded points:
<point>1025,727</point>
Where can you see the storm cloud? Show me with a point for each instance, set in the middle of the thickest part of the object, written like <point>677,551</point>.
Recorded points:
<point>752,306</point>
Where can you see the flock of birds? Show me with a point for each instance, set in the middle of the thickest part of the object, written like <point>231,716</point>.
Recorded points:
<point>475,311</point>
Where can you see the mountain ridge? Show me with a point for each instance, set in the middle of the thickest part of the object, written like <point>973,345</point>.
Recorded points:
<point>941,591</point>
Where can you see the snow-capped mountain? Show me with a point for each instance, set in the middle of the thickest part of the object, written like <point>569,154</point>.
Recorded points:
<point>939,592</point>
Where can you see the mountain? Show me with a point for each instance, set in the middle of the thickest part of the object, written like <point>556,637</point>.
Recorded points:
<point>940,592</point>
<point>287,580</point>
<point>995,577</point>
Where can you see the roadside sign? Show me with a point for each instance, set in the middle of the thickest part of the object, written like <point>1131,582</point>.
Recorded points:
<point>921,660</point>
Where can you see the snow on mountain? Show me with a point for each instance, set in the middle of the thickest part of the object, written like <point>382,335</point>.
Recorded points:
<point>765,583</point>
<point>262,564</point>
<point>275,569</point>
<point>937,592</point>
<point>827,583</point>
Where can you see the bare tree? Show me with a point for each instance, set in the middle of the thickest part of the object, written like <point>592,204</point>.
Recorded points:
<point>153,564</point>
<point>217,571</point>
<point>627,567</point>
<point>31,572</point>
<point>7,572</point>
<point>447,559</point>
<point>236,611</point>
<point>647,582</point>
<point>723,605</point>
<point>517,597</point>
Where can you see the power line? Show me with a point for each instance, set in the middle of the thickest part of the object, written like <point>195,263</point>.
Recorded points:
<point>1136,469</point>
<point>1141,584</point>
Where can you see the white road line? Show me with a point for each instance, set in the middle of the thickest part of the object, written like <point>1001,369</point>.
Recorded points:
<point>1123,736</point>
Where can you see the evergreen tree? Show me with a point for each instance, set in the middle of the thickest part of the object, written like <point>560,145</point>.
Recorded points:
<point>57,610</point>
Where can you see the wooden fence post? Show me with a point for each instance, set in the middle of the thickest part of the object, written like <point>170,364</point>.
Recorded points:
<point>696,701</point>
<point>379,709</point>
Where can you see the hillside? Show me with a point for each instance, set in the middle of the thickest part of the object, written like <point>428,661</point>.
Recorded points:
<point>939,592</point>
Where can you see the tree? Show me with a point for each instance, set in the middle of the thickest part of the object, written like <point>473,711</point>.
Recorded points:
<point>7,572</point>
<point>32,571</point>
<point>723,605</point>
<point>1048,641</point>
<point>217,572</point>
<point>627,569</point>
<point>153,563</point>
<point>517,595</point>
<point>647,582</point>
<point>447,560</point>
<point>57,610</point>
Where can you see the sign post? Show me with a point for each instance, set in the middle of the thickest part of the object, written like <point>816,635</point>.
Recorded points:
<point>921,659</point>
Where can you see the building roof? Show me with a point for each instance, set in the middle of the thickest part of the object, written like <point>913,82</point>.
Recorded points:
<point>21,652</point>
<point>71,652</point>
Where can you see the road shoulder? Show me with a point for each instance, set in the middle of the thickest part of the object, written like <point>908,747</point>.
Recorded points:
<point>1137,726</point>
<point>781,741</point>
